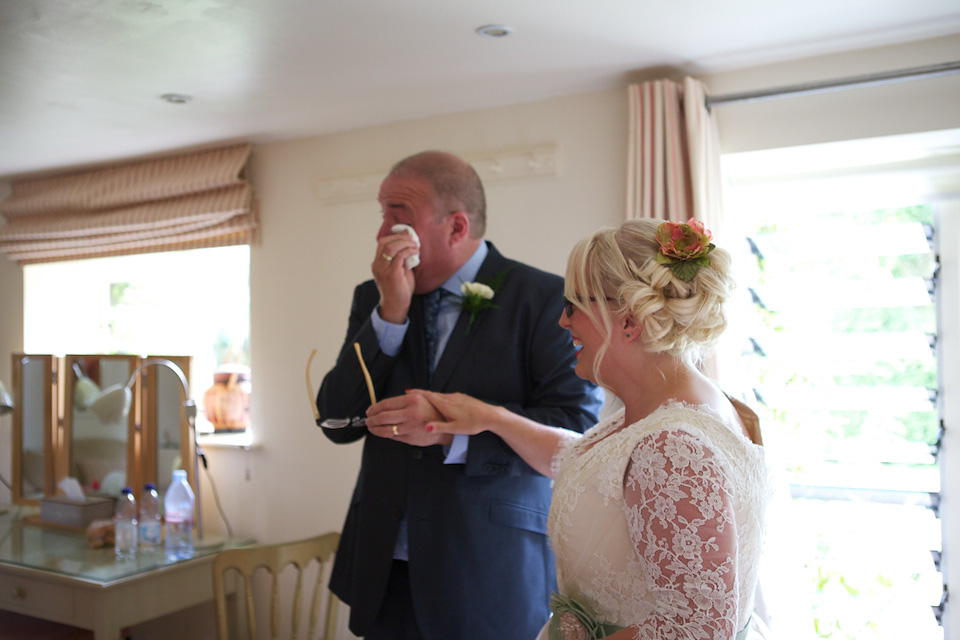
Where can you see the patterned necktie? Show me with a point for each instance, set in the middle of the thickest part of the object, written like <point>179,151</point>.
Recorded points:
<point>431,309</point>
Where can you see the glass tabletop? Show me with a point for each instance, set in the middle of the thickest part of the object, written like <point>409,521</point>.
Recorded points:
<point>34,546</point>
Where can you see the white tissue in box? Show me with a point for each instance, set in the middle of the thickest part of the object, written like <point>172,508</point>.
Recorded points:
<point>72,513</point>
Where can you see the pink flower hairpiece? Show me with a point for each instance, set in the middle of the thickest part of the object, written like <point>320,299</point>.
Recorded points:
<point>684,247</point>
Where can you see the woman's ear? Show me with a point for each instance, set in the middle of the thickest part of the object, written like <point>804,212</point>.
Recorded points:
<point>630,328</point>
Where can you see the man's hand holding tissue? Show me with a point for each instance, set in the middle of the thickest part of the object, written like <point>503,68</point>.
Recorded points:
<point>392,266</point>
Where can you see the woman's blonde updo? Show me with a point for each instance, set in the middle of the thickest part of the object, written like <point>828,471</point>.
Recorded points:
<point>676,317</point>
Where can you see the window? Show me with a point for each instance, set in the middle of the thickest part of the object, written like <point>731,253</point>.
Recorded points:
<point>840,268</point>
<point>194,303</point>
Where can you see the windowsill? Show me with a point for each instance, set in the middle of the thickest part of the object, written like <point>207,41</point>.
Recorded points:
<point>237,440</point>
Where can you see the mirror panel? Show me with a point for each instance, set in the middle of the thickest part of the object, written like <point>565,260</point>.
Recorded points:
<point>55,433</point>
<point>167,442</point>
<point>34,389</point>
<point>101,456</point>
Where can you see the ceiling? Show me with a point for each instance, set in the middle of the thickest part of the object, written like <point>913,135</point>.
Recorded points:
<point>81,80</point>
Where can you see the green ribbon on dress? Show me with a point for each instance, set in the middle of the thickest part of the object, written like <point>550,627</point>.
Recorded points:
<point>595,630</point>
<point>561,604</point>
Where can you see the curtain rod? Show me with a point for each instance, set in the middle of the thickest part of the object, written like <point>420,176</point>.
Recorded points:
<point>887,77</point>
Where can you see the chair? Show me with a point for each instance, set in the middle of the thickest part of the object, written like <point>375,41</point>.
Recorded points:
<point>274,559</point>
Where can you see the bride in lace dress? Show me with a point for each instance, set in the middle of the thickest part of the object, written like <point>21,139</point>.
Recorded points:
<point>658,512</point>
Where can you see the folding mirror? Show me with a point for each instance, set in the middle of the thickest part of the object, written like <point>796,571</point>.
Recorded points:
<point>35,398</point>
<point>60,428</point>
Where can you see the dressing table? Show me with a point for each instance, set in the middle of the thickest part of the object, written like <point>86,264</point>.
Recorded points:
<point>50,573</point>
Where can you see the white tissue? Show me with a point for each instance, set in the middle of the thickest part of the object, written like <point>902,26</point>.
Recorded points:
<point>72,489</point>
<point>413,260</point>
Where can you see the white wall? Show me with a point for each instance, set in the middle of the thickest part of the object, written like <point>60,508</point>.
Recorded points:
<point>866,112</point>
<point>295,483</point>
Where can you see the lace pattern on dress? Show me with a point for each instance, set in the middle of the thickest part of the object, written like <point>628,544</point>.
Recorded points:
<point>678,507</point>
<point>660,523</point>
<point>563,447</point>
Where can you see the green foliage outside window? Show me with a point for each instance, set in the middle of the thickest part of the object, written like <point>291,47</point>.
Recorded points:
<point>878,449</point>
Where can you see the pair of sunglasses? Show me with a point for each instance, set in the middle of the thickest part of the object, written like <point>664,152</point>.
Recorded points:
<point>340,423</point>
<point>569,305</point>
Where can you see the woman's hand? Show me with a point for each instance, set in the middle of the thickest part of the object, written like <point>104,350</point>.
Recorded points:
<point>404,418</point>
<point>461,413</point>
<point>534,442</point>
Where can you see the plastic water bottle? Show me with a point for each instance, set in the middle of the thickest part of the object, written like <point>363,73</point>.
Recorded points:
<point>178,515</point>
<point>125,530</point>
<point>151,524</point>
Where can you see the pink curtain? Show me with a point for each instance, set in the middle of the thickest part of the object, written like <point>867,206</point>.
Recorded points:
<point>673,168</point>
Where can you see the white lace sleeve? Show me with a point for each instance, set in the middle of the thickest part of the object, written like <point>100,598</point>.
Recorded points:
<point>563,447</point>
<point>679,510</point>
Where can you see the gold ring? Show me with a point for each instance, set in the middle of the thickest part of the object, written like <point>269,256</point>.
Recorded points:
<point>395,432</point>
<point>386,257</point>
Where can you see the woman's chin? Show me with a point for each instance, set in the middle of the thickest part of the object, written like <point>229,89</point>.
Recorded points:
<point>583,370</point>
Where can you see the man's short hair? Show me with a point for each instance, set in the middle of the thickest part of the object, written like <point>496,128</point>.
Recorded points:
<point>455,184</point>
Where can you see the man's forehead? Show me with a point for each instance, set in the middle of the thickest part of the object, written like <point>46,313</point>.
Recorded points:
<point>404,187</point>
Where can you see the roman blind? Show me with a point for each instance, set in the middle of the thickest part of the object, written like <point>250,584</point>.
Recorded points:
<point>187,201</point>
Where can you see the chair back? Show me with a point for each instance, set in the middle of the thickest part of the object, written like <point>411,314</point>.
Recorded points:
<point>269,561</point>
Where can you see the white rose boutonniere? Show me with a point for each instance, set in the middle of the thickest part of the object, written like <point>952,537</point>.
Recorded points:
<point>478,296</point>
<point>476,289</point>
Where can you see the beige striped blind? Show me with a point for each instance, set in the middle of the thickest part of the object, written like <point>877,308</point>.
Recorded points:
<point>187,201</point>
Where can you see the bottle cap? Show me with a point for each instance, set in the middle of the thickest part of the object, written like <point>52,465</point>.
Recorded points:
<point>179,474</point>
<point>149,486</point>
<point>126,490</point>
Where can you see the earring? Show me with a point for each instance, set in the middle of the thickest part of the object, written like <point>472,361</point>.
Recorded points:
<point>628,335</point>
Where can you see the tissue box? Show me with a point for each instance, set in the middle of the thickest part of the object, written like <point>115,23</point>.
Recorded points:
<point>72,513</point>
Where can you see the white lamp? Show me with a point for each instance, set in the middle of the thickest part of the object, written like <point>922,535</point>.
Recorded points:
<point>113,405</point>
<point>85,391</point>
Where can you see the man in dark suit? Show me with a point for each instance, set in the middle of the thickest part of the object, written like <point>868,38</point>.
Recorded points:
<point>445,538</point>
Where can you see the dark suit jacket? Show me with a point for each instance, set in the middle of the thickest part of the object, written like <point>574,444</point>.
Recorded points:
<point>480,566</point>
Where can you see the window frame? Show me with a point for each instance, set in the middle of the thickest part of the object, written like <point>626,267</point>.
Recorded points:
<point>934,164</point>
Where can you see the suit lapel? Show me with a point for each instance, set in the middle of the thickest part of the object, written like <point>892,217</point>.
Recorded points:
<point>460,341</point>
<point>457,344</point>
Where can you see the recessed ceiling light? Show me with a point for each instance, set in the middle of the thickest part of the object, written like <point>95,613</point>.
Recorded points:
<point>176,98</point>
<point>495,30</point>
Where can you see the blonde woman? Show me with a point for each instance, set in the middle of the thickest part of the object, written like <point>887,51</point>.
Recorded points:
<point>657,514</point>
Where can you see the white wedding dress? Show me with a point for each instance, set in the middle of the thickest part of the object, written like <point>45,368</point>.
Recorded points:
<point>636,516</point>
